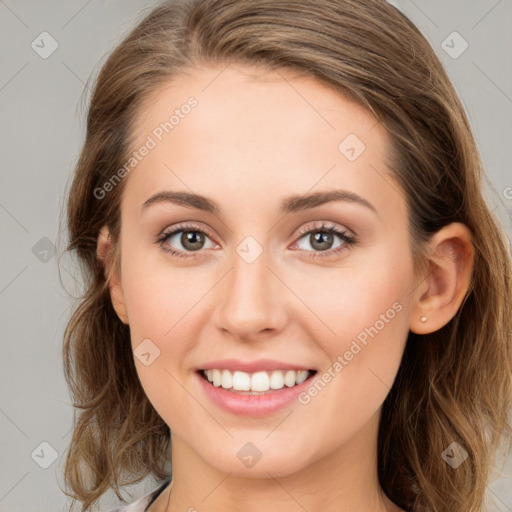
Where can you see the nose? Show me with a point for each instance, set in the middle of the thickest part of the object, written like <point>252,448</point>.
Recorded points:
<point>250,298</point>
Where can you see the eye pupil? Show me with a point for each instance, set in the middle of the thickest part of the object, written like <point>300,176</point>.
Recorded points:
<point>189,239</point>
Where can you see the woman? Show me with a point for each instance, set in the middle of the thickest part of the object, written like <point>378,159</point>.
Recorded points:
<point>296,297</point>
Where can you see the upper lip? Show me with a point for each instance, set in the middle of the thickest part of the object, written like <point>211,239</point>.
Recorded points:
<point>252,366</point>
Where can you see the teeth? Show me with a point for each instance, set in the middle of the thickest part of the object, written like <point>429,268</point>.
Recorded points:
<point>241,381</point>
<point>258,382</point>
<point>289,378</point>
<point>217,377</point>
<point>302,375</point>
<point>277,380</point>
<point>227,379</point>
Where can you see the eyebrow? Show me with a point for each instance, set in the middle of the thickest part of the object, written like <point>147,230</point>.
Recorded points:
<point>290,204</point>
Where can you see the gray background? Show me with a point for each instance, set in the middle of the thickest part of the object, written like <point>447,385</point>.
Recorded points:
<point>42,128</point>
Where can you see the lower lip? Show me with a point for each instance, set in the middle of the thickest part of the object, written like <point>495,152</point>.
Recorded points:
<point>252,405</point>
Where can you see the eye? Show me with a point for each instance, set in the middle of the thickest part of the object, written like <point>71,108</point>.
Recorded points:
<point>188,239</point>
<point>183,240</point>
<point>322,238</point>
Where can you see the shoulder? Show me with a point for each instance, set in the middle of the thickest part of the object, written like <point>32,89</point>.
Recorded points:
<point>143,502</point>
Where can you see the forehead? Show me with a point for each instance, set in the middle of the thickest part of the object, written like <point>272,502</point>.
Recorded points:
<point>248,97</point>
<point>253,132</point>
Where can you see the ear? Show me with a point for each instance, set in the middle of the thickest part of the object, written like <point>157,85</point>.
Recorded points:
<point>106,254</point>
<point>450,256</point>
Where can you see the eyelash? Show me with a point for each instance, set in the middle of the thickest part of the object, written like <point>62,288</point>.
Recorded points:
<point>349,240</point>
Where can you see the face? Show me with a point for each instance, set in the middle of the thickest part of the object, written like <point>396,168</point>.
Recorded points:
<point>256,279</point>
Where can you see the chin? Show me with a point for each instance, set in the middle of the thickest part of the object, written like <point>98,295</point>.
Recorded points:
<point>257,460</point>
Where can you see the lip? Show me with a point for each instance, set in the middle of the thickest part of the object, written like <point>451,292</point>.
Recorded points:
<point>252,405</point>
<point>252,366</point>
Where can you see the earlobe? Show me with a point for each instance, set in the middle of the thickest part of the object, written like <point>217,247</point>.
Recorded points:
<point>450,268</point>
<point>106,254</point>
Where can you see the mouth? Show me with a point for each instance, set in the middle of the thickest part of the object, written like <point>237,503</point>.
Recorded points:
<point>258,383</point>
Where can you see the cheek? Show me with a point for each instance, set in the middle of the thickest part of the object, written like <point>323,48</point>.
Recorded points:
<point>361,300</point>
<point>157,295</point>
<point>165,316</point>
<point>363,314</point>
<point>158,302</point>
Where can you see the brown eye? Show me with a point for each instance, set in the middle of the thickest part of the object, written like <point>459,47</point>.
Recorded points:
<point>192,240</point>
<point>185,239</point>
<point>322,241</point>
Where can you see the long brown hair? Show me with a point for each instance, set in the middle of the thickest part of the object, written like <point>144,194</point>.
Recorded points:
<point>454,385</point>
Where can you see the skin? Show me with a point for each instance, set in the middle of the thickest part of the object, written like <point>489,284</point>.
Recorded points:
<point>253,139</point>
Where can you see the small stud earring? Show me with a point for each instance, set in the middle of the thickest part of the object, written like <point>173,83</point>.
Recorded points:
<point>423,318</point>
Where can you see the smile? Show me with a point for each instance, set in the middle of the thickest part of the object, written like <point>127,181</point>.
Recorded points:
<point>254,394</point>
<point>255,383</point>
